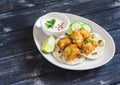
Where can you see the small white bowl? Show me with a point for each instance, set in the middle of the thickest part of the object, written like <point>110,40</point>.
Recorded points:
<point>57,15</point>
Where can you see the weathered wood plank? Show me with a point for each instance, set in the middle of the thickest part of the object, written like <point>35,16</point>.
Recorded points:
<point>118,83</point>
<point>116,36</point>
<point>24,66</point>
<point>34,81</point>
<point>26,62</point>
<point>27,69</point>
<point>22,41</point>
<point>27,17</point>
<point>16,42</point>
<point>12,5</point>
<point>110,19</point>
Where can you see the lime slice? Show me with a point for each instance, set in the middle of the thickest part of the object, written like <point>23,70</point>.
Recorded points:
<point>48,45</point>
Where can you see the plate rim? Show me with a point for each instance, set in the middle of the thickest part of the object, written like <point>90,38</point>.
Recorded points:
<point>112,40</point>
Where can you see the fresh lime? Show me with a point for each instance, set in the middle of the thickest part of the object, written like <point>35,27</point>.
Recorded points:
<point>48,45</point>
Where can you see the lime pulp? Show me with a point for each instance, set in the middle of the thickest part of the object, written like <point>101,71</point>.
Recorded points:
<point>48,45</point>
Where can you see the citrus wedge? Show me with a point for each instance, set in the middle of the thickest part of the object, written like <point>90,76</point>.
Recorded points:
<point>48,45</point>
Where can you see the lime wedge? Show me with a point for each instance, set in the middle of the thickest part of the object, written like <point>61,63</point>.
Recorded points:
<point>48,45</point>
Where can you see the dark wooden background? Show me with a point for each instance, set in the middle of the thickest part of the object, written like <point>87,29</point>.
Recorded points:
<point>22,64</point>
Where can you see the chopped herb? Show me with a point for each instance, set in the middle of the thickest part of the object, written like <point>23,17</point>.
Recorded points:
<point>47,25</point>
<point>61,55</point>
<point>67,34</point>
<point>101,43</point>
<point>88,40</point>
<point>50,24</point>
<point>70,50</point>
<point>93,36</point>
<point>74,40</point>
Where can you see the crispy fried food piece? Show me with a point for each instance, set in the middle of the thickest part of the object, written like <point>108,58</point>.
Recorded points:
<point>77,38</point>
<point>95,44</point>
<point>63,42</point>
<point>71,52</point>
<point>88,47</point>
<point>85,33</point>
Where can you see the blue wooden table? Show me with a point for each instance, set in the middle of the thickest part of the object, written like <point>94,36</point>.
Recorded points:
<point>22,64</point>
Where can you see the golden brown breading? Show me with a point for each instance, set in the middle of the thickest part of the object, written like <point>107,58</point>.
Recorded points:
<point>95,44</point>
<point>63,42</point>
<point>71,52</point>
<point>89,46</point>
<point>85,33</point>
<point>77,38</point>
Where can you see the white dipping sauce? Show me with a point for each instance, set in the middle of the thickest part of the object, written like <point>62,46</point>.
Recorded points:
<point>56,26</point>
<point>51,28</point>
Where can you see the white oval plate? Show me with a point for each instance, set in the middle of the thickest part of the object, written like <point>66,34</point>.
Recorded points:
<point>108,53</point>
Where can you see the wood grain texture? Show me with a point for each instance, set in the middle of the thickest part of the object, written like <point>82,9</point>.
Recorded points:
<point>25,61</point>
<point>13,5</point>
<point>22,64</point>
<point>29,66</point>
<point>22,41</point>
<point>26,18</point>
<point>17,42</point>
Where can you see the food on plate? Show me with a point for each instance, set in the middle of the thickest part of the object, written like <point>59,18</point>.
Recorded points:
<point>48,45</point>
<point>89,44</point>
<point>71,52</point>
<point>78,26</point>
<point>77,38</point>
<point>63,42</point>
<point>85,33</point>
<point>88,47</point>
<point>50,23</point>
<point>98,47</point>
<point>79,45</point>
<point>58,54</point>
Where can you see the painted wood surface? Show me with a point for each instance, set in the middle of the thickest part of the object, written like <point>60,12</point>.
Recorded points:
<point>22,64</point>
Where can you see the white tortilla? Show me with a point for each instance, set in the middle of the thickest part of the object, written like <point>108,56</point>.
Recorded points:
<point>99,50</point>
<point>61,58</point>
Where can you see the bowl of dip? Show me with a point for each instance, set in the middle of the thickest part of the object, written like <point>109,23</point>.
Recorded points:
<point>55,23</point>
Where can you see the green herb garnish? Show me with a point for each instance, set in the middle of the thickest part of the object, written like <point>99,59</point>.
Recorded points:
<point>88,40</point>
<point>70,50</point>
<point>93,36</point>
<point>74,40</point>
<point>50,23</point>
<point>101,43</point>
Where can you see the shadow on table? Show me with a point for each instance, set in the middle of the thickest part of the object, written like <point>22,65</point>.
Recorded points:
<point>51,74</point>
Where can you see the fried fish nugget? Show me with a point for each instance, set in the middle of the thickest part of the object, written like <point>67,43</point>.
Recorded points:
<point>89,46</point>
<point>85,33</point>
<point>95,44</point>
<point>77,38</point>
<point>63,42</point>
<point>71,52</point>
